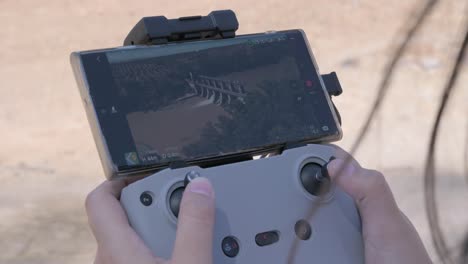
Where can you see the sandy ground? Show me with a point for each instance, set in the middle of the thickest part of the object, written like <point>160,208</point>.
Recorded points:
<point>48,162</point>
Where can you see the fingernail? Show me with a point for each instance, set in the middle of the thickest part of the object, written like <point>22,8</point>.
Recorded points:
<point>201,186</point>
<point>339,166</point>
<point>334,167</point>
<point>331,166</point>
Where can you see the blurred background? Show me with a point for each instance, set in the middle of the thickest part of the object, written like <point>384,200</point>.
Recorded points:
<point>48,161</point>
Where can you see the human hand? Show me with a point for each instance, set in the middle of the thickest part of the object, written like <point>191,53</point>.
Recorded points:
<point>119,244</point>
<point>389,236</point>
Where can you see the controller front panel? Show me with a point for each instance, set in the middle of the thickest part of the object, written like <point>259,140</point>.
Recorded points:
<point>261,209</point>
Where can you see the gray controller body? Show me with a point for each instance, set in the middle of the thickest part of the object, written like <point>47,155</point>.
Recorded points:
<point>253,197</point>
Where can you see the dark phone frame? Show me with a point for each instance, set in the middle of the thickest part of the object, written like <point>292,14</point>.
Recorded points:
<point>112,170</point>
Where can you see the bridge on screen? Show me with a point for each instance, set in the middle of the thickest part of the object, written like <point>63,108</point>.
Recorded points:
<point>219,91</point>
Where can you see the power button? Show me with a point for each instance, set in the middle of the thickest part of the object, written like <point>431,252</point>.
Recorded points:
<point>230,246</point>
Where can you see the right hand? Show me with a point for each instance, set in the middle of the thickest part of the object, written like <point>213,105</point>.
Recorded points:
<point>389,236</point>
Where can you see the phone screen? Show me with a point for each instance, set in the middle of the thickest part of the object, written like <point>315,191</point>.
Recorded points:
<point>205,99</point>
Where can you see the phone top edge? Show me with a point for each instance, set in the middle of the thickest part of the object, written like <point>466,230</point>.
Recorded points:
<point>110,169</point>
<point>79,53</point>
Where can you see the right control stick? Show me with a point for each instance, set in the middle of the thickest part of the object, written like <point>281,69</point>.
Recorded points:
<point>315,179</point>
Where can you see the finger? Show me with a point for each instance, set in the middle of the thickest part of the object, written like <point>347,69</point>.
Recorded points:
<point>368,188</point>
<point>104,210</point>
<point>342,154</point>
<point>117,241</point>
<point>385,227</point>
<point>194,239</point>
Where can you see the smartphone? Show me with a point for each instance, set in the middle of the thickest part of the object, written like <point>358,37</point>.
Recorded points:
<point>203,102</point>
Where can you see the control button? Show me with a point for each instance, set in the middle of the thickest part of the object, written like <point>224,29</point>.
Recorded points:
<point>266,238</point>
<point>230,246</point>
<point>303,229</point>
<point>315,179</point>
<point>175,199</point>
<point>146,199</point>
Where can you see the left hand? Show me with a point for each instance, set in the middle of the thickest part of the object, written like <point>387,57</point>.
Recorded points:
<point>117,242</point>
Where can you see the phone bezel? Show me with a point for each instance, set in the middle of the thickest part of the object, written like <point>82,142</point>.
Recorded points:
<point>112,171</point>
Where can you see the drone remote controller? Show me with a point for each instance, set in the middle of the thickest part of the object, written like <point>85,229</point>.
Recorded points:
<point>259,223</point>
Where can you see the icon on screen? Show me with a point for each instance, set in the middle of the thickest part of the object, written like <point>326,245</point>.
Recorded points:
<point>131,158</point>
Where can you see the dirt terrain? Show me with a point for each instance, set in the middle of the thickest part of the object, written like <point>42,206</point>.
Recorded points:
<point>48,161</point>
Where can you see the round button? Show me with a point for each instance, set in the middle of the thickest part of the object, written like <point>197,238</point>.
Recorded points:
<point>230,246</point>
<point>146,199</point>
<point>303,229</point>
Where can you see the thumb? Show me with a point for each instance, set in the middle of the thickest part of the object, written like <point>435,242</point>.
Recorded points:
<point>368,188</point>
<point>194,239</point>
<point>384,226</point>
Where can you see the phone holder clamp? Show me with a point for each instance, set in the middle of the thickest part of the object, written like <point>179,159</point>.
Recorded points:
<point>158,30</point>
